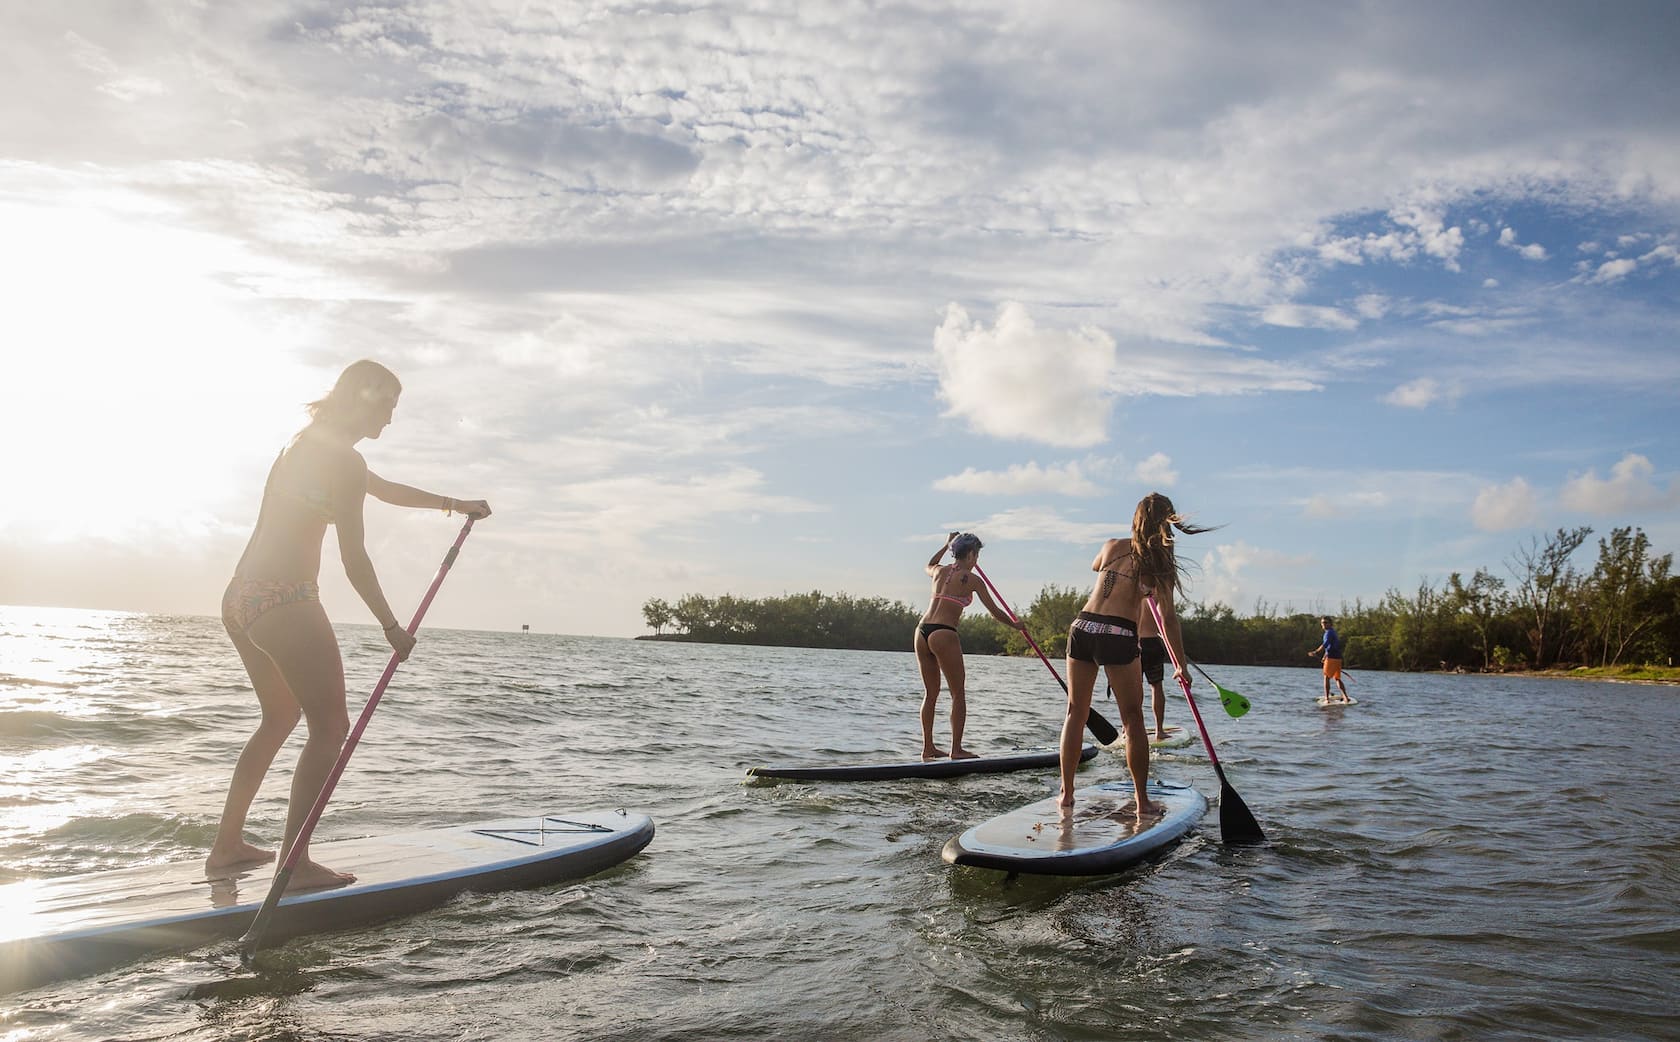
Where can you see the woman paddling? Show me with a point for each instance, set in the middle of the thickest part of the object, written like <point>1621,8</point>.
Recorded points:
<point>272,608</point>
<point>938,648</point>
<point>1105,635</point>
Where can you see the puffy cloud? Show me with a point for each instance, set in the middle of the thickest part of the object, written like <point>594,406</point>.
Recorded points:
<point>1613,270</point>
<point>1422,393</point>
<point>1015,380</point>
<point>1222,576</point>
<point>1629,487</point>
<point>1157,471</point>
<point>1068,479</point>
<point>1533,251</point>
<point>1500,508</point>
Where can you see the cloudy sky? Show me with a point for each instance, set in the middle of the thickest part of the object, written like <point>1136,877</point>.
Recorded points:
<point>754,298</point>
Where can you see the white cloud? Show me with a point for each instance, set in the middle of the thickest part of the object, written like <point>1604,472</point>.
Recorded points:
<point>1029,523</point>
<point>1613,270</point>
<point>1299,316</point>
<point>1222,580</point>
<point>1532,251</point>
<point>1500,508</point>
<point>1015,380</point>
<point>1629,487</point>
<point>1422,393</point>
<point>1157,471</point>
<point>1325,506</point>
<point>1068,479</point>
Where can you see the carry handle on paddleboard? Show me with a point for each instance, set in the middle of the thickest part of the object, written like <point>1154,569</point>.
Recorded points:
<point>1101,729</point>
<point>259,926</point>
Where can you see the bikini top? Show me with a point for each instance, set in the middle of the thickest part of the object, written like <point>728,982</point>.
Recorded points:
<point>965,600</point>
<point>315,500</point>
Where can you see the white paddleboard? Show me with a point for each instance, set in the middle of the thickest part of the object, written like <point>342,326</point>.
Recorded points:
<point>74,925</point>
<point>1101,835</point>
<point>1331,703</point>
<point>1177,738</point>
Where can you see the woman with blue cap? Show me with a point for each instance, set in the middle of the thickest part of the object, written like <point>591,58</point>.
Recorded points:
<point>939,648</point>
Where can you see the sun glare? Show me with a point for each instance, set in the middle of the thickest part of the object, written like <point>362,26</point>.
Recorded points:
<point>132,351</point>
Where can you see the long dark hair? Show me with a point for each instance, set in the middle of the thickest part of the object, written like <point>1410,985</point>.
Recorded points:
<point>360,383</point>
<point>1152,540</point>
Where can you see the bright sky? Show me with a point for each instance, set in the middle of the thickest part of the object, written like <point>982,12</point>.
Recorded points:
<point>752,298</point>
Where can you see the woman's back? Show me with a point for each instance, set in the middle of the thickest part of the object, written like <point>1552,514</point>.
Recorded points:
<point>297,507</point>
<point>1119,589</point>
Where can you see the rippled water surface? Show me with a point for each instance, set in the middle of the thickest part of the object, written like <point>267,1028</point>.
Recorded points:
<point>1455,857</point>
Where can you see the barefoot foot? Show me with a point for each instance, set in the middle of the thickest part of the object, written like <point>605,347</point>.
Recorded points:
<point>931,753</point>
<point>311,876</point>
<point>223,860</point>
<point>1146,809</point>
<point>959,753</point>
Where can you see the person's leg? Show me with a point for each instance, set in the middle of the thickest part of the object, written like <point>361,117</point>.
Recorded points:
<point>929,666</point>
<point>279,716</point>
<point>947,646</point>
<point>300,640</point>
<point>1082,679</point>
<point>1160,706</point>
<point>1127,682</point>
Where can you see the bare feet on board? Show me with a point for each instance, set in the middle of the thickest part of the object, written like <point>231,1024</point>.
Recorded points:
<point>227,860</point>
<point>311,876</point>
<point>959,753</point>
<point>931,753</point>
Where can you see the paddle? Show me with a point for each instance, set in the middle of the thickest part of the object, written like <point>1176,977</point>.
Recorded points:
<point>259,926</point>
<point>1234,703</point>
<point>1236,822</point>
<point>1100,727</point>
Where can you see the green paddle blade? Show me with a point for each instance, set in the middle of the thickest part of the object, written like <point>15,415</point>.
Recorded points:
<point>1234,703</point>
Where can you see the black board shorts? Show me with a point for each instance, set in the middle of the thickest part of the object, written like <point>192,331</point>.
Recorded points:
<point>1153,652</point>
<point>1105,640</point>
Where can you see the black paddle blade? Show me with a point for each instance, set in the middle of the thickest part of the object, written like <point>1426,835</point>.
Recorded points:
<point>1236,822</point>
<point>1101,729</point>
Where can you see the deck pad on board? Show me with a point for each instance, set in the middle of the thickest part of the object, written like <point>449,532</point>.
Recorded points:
<point>72,925</point>
<point>947,768</point>
<point>1101,834</point>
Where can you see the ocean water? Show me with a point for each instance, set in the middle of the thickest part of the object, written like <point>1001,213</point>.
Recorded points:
<point>1456,857</point>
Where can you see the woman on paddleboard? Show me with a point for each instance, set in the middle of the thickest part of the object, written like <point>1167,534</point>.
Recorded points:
<point>272,608</point>
<point>938,648</point>
<point>1105,635</point>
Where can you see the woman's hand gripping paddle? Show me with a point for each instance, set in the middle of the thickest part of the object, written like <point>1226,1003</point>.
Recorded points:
<point>1101,729</point>
<point>1234,704</point>
<point>259,926</point>
<point>1236,821</point>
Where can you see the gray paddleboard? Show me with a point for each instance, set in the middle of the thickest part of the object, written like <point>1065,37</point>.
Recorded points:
<point>74,925</point>
<point>1100,836</point>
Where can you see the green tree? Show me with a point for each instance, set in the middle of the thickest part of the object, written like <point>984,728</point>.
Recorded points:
<point>1545,588</point>
<point>658,615</point>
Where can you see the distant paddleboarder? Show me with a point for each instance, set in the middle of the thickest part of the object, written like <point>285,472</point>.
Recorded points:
<point>272,608</point>
<point>1331,648</point>
<point>1105,635</point>
<point>939,648</point>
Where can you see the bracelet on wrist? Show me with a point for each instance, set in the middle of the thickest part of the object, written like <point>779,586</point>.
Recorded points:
<point>449,506</point>
<point>393,625</point>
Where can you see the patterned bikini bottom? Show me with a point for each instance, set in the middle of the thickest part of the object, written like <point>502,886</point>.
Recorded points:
<point>246,600</point>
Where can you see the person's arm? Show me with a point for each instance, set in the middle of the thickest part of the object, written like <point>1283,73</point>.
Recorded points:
<point>933,562</point>
<point>408,496</point>
<point>348,489</point>
<point>1173,634</point>
<point>998,613</point>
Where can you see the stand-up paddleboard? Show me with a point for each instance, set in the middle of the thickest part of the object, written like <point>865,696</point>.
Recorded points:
<point>995,764</point>
<point>1324,702</point>
<point>1100,836</point>
<point>1177,738</point>
<point>74,925</point>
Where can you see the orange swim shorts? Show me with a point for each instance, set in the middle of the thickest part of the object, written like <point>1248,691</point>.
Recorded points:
<point>1332,668</point>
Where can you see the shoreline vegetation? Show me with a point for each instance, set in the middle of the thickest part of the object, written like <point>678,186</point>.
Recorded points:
<point>1618,621</point>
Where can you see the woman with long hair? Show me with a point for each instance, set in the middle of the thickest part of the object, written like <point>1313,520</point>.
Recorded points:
<point>939,648</point>
<point>272,607</point>
<point>1105,635</point>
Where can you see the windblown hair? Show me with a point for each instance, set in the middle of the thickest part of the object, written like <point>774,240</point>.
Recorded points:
<point>965,544</point>
<point>1152,540</point>
<point>359,384</point>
